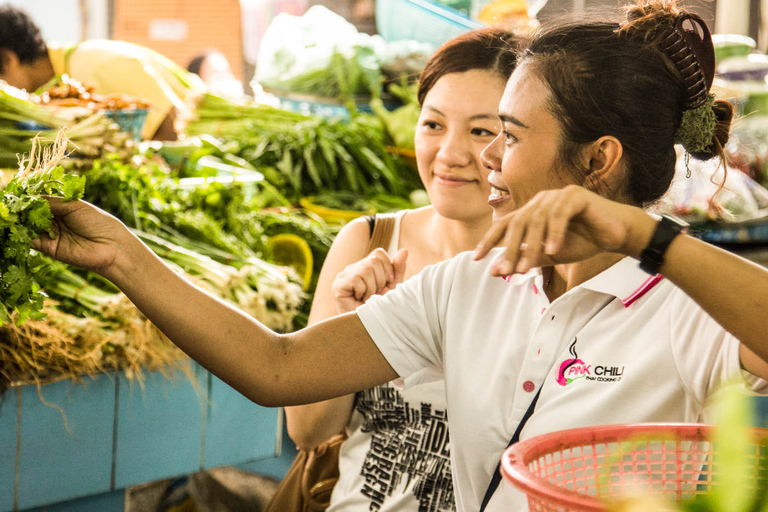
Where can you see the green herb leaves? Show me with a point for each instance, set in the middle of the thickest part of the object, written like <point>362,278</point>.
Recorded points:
<point>24,216</point>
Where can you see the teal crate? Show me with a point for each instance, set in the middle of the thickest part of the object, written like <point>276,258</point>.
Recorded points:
<point>420,20</point>
<point>122,434</point>
<point>48,445</point>
<point>159,428</point>
<point>130,121</point>
<point>9,419</point>
<point>236,429</point>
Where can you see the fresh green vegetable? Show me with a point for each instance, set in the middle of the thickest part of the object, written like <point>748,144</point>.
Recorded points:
<point>227,222</point>
<point>24,216</point>
<point>343,78</point>
<point>343,200</point>
<point>89,133</point>
<point>401,122</point>
<point>303,155</point>
<point>265,291</point>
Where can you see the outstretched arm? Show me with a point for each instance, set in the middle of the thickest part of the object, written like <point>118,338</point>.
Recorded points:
<point>330,359</point>
<point>573,224</point>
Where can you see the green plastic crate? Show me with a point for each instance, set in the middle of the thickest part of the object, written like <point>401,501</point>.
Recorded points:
<point>420,20</point>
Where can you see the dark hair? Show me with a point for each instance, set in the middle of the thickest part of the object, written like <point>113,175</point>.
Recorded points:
<point>196,63</point>
<point>611,79</point>
<point>19,34</point>
<point>491,49</point>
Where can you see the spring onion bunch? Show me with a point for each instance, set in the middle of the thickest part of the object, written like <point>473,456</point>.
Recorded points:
<point>89,133</point>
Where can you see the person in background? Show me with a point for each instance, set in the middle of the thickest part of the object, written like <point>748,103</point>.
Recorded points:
<point>590,311</point>
<point>383,422</point>
<point>111,67</point>
<point>214,69</point>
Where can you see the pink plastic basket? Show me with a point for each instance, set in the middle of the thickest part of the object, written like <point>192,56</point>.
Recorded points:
<point>582,469</point>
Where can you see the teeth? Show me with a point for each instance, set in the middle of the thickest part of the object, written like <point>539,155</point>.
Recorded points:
<point>495,192</point>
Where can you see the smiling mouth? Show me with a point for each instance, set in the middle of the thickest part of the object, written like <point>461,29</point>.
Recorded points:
<point>453,179</point>
<point>497,194</point>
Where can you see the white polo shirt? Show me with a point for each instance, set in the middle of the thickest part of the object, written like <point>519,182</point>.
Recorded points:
<point>623,347</point>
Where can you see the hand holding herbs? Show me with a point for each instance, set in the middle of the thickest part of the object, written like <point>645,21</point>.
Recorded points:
<point>25,215</point>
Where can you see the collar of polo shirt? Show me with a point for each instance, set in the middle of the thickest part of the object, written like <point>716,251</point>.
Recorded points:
<point>624,280</point>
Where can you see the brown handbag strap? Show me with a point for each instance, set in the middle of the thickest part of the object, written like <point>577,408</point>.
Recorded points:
<point>383,227</point>
<point>325,456</point>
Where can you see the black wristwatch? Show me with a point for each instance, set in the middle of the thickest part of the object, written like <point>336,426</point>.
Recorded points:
<point>666,230</point>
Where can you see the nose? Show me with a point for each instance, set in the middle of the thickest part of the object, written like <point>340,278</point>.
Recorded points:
<point>490,157</point>
<point>455,150</point>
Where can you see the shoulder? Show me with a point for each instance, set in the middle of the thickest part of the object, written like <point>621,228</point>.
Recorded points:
<point>351,244</point>
<point>462,272</point>
<point>356,233</point>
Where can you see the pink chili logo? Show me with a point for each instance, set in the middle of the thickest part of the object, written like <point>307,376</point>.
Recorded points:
<point>572,369</point>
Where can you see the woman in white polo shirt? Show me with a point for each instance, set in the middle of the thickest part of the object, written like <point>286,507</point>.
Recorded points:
<point>590,117</point>
<point>407,430</point>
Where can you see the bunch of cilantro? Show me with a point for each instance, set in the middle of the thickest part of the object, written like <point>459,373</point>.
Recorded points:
<point>24,216</point>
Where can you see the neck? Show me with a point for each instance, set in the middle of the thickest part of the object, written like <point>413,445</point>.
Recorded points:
<point>449,237</point>
<point>565,277</point>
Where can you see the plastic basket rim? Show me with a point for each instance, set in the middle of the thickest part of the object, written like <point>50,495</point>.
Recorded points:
<point>514,461</point>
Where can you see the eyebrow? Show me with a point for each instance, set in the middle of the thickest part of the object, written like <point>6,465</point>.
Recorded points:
<point>493,117</point>
<point>511,119</point>
<point>490,116</point>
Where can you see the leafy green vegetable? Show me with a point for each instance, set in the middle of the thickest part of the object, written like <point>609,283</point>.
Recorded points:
<point>228,222</point>
<point>24,216</point>
<point>304,155</point>
<point>401,122</point>
<point>343,78</point>
<point>343,200</point>
<point>735,490</point>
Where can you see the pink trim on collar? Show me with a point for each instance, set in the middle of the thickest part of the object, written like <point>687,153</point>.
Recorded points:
<point>642,290</point>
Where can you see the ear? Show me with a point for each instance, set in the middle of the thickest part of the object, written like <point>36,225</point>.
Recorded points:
<point>603,159</point>
<point>9,62</point>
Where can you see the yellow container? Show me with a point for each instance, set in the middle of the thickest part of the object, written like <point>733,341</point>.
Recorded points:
<point>332,215</point>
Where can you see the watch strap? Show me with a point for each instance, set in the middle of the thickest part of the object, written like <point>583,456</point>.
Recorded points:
<point>667,229</point>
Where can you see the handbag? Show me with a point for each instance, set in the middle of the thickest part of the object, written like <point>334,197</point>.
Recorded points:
<point>308,484</point>
<point>309,481</point>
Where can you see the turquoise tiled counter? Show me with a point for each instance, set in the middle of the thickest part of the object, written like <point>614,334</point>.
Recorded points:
<point>118,434</point>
